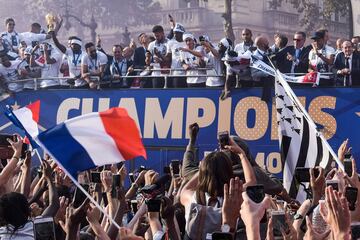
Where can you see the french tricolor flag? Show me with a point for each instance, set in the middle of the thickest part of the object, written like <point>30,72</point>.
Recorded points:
<point>92,140</point>
<point>27,119</point>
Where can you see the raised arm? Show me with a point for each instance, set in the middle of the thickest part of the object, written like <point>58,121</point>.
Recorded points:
<point>10,167</point>
<point>26,176</point>
<point>54,203</point>
<point>61,47</point>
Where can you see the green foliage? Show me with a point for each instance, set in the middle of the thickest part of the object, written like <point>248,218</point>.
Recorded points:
<point>311,12</point>
<point>108,12</point>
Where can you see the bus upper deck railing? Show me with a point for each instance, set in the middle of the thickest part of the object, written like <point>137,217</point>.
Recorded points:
<point>165,76</point>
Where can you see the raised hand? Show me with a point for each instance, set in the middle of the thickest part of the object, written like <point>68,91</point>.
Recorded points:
<point>106,180</point>
<point>232,202</point>
<point>335,211</point>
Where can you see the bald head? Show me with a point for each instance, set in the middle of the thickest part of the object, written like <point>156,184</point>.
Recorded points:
<point>339,43</point>
<point>347,48</point>
<point>262,43</point>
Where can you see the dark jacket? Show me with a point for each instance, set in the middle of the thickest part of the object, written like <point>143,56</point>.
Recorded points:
<point>139,57</point>
<point>339,64</point>
<point>303,64</point>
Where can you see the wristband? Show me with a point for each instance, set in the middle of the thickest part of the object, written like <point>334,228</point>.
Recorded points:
<point>17,158</point>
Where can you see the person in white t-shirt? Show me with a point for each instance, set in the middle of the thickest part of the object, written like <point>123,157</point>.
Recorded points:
<point>73,55</point>
<point>10,37</point>
<point>213,60</point>
<point>34,37</point>
<point>11,71</point>
<point>247,44</point>
<point>321,58</point>
<point>158,50</point>
<point>192,58</point>
<point>173,54</point>
<point>49,62</point>
<point>93,65</point>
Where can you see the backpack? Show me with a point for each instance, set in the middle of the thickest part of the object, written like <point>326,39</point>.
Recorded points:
<point>203,220</point>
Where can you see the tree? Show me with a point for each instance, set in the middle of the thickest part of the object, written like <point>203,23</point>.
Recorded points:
<point>312,13</point>
<point>109,13</point>
<point>227,15</point>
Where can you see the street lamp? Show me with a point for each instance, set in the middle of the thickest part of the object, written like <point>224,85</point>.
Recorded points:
<point>92,25</point>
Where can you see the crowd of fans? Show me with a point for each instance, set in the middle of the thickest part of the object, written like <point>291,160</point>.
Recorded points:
<point>226,195</point>
<point>187,61</point>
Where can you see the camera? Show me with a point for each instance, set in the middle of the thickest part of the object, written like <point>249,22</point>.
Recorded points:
<point>333,183</point>
<point>153,205</point>
<point>279,223</point>
<point>44,228</point>
<point>202,38</point>
<point>79,196</point>
<point>348,164</point>
<point>175,167</point>
<point>6,151</point>
<point>223,138</point>
<point>156,190</point>
<point>351,196</point>
<point>95,177</point>
<point>302,174</point>
<point>256,193</point>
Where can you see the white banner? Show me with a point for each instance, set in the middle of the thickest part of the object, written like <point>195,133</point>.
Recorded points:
<point>309,78</point>
<point>356,16</point>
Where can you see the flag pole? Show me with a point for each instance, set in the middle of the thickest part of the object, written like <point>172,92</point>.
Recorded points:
<point>291,93</point>
<point>81,188</point>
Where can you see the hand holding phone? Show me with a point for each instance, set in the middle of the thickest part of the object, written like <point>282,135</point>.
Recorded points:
<point>95,177</point>
<point>153,205</point>
<point>348,164</point>
<point>175,166</point>
<point>351,194</point>
<point>333,183</point>
<point>44,228</point>
<point>223,138</point>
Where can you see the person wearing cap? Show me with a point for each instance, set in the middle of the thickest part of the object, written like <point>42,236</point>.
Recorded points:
<point>73,56</point>
<point>158,50</point>
<point>321,57</point>
<point>173,55</point>
<point>192,58</point>
<point>49,62</point>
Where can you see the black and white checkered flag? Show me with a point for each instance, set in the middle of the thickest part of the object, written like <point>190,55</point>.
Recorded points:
<point>301,144</point>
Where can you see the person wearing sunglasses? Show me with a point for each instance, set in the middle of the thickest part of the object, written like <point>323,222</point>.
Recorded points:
<point>299,54</point>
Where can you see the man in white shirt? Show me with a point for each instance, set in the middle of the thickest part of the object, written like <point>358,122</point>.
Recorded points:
<point>73,55</point>
<point>10,37</point>
<point>321,57</point>
<point>11,71</point>
<point>213,60</point>
<point>49,62</point>
<point>34,36</point>
<point>247,44</point>
<point>192,58</point>
<point>173,55</point>
<point>158,50</point>
<point>93,65</point>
